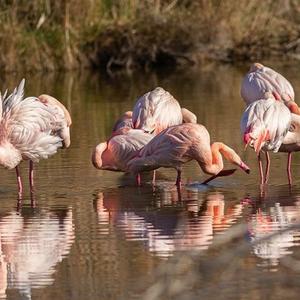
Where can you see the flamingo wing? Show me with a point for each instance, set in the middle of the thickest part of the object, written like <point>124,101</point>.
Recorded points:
<point>261,79</point>
<point>155,111</point>
<point>265,123</point>
<point>30,126</point>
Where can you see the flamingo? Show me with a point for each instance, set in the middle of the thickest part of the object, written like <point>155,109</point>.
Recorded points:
<point>126,119</point>
<point>261,79</point>
<point>265,126</point>
<point>121,147</point>
<point>156,111</point>
<point>180,144</point>
<point>31,129</point>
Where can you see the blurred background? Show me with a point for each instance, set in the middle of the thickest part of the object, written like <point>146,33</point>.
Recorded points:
<point>127,34</point>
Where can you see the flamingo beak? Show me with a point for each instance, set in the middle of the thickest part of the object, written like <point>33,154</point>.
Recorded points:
<point>244,167</point>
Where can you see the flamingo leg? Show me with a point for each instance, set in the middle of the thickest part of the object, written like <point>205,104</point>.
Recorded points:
<point>138,179</point>
<point>19,180</point>
<point>267,173</point>
<point>289,173</point>
<point>261,173</point>
<point>178,179</point>
<point>154,177</point>
<point>31,176</point>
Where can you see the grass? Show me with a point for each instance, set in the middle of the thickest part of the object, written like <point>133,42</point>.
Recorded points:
<point>109,34</point>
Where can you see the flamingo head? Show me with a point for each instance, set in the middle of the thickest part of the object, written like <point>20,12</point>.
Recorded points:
<point>256,138</point>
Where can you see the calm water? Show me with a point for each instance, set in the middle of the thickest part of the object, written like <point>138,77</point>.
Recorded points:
<point>94,235</point>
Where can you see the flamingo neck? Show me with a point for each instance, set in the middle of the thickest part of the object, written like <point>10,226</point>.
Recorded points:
<point>214,166</point>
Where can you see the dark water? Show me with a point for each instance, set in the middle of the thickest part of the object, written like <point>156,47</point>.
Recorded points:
<point>95,235</point>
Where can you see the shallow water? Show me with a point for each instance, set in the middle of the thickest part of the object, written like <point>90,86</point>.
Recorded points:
<point>90,234</point>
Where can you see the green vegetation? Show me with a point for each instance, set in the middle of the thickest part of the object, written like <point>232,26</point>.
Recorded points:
<point>67,34</point>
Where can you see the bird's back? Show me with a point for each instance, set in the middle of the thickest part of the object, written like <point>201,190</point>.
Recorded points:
<point>121,148</point>
<point>173,147</point>
<point>155,111</point>
<point>261,79</point>
<point>30,126</point>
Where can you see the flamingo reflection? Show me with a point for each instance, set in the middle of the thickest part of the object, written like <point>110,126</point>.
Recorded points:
<point>171,224</point>
<point>269,223</point>
<point>31,245</point>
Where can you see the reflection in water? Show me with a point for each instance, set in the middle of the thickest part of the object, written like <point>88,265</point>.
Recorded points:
<point>178,222</point>
<point>269,222</point>
<point>31,245</point>
<point>105,262</point>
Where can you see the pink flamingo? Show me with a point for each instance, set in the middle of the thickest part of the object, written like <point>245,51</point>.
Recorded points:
<point>31,129</point>
<point>121,147</point>
<point>261,79</point>
<point>156,111</point>
<point>265,125</point>
<point>126,120</point>
<point>180,144</point>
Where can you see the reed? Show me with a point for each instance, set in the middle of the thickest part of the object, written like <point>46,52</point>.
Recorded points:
<point>68,34</point>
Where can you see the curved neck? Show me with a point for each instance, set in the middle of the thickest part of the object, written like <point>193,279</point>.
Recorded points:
<point>213,164</point>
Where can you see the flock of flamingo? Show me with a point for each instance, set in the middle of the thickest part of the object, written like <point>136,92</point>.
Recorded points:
<point>157,132</point>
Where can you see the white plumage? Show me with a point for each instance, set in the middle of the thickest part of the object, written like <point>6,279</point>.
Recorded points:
<point>266,122</point>
<point>261,79</point>
<point>156,111</point>
<point>114,154</point>
<point>31,129</point>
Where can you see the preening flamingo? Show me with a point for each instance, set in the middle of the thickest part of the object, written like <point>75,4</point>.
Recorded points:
<point>156,111</point>
<point>179,144</point>
<point>126,120</point>
<point>261,79</point>
<point>268,124</point>
<point>117,151</point>
<point>31,129</point>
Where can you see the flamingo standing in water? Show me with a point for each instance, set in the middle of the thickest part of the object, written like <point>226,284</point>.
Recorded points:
<point>259,80</point>
<point>31,129</point>
<point>270,126</point>
<point>156,111</point>
<point>179,144</point>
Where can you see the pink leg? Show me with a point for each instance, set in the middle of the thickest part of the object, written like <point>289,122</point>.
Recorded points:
<point>138,179</point>
<point>19,180</point>
<point>267,173</point>
<point>154,177</point>
<point>289,173</point>
<point>31,176</point>
<point>178,179</point>
<point>260,169</point>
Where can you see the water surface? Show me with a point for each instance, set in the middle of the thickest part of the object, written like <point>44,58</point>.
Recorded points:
<point>93,234</point>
